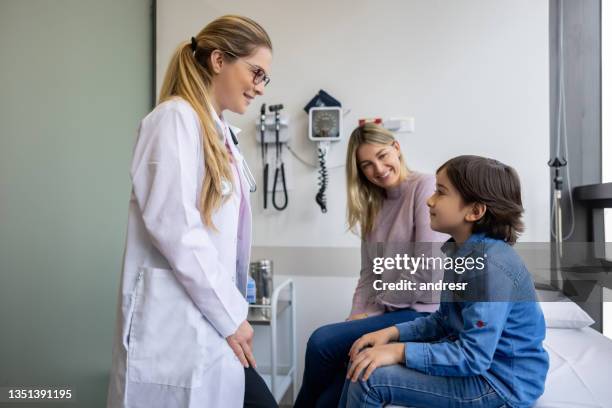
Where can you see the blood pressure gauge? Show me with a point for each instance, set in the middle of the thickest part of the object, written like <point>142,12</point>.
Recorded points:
<point>325,123</point>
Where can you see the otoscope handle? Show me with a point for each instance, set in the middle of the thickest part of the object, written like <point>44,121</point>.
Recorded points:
<point>265,183</point>
<point>262,120</point>
<point>275,108</point>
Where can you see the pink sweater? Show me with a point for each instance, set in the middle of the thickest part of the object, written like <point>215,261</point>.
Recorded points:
<point>402,221</point>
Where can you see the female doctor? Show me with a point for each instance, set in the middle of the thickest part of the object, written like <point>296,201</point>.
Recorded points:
<point>182,339</point>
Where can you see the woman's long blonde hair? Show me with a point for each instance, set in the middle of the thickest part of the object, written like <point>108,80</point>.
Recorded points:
<point>365,199</point>
<point>190,75</point>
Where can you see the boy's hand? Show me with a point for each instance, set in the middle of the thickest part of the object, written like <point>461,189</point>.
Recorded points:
<point>377,338</point>
<point>372,358</point>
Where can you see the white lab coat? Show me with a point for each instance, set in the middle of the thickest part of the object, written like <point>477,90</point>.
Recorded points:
<point>183,284</point>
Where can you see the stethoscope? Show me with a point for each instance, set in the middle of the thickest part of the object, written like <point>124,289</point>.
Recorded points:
<point>244,167</point>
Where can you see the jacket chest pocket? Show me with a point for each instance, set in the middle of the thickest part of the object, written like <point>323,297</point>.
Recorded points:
<point>170,342</point>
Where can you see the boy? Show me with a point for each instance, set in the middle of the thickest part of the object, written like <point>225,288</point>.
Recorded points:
<point>483,347</point>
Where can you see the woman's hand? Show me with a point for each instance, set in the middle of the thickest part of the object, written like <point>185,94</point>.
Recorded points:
<point>372,358</point>
<point>241,343</point>
<point>357,316</point>
<point>377,338</point>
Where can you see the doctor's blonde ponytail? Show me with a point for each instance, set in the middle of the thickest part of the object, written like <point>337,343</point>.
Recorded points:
<point>189,76</point>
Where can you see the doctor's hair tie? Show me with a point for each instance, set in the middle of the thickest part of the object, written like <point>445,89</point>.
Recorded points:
<point>194,44</point>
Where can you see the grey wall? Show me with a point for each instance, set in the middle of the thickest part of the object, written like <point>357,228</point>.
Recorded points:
<point>582,38</point>
<point>75,78</point>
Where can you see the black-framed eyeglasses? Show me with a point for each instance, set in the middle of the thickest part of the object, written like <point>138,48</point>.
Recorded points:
<point>259,75</point>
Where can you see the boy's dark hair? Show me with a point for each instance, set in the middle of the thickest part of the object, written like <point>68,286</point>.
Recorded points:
<point>497,185</point>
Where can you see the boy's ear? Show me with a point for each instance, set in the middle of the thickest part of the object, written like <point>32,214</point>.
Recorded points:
<point>476,212</point>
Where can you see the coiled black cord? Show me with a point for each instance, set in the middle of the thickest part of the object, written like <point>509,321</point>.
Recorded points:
<point>320,198</point>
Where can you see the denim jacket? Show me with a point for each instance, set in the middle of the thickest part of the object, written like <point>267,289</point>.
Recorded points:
<point>494,328</point>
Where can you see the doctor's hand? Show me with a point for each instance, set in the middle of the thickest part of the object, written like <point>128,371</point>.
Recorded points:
<point>241,343</point>
<point>372,358</point>
<point>377,338</point>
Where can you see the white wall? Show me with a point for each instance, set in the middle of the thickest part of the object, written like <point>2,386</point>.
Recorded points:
<point>474,74</point>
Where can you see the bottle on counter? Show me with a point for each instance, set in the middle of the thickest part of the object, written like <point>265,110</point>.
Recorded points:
<point>251,290</point>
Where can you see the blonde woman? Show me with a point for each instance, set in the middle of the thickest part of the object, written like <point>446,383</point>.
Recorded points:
<point>387,204</point>
<point>182,338</point>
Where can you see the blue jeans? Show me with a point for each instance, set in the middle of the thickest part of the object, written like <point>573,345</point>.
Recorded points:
<point>399,385</point>
<point>327,356</point>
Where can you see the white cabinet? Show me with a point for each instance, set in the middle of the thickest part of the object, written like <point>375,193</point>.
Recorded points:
<point>275,341</point>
